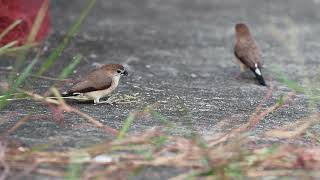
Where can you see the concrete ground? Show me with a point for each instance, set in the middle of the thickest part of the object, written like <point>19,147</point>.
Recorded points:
<point>179,55</point>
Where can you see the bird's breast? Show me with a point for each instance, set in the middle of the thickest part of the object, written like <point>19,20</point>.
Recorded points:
<point>115,81</point>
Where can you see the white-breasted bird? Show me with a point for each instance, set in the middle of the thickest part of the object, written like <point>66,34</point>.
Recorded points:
<point>247,52</point>
<point>99,83</point>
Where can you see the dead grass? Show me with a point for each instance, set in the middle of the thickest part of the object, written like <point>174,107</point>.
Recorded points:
<point>119,158</point>
<point>224,156</point>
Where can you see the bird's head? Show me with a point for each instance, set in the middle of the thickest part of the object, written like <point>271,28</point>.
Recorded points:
<point>116,70</point>
<point>242,30</point>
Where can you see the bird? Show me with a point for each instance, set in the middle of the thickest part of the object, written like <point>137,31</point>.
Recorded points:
<point>99,83</point>
<point>247,52</point>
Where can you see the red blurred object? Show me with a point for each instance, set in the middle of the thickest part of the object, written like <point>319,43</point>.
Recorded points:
<point>26,10</point>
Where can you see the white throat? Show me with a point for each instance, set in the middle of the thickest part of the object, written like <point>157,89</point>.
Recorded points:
<point>115,80</point>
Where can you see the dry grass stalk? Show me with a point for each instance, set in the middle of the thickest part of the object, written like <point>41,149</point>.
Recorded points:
<point>299,128</point>
<point>17,125</point>
<point>179,152</point>
<point>61,104</point>
<point>134,152</point>
<point>255,118</point>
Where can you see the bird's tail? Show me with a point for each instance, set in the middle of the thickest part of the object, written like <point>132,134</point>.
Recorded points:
<point>258,74</point>
<point>67,94</point>
<point>64,94</point>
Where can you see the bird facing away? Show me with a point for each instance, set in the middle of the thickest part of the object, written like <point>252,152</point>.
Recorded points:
<point>99,83</point>
<point>247,52</point>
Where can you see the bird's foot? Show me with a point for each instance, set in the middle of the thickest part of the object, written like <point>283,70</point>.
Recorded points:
<point>96,101</point>
<point>109,101</point>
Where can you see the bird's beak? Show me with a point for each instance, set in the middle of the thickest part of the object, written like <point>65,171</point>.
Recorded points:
<point>125,73</point>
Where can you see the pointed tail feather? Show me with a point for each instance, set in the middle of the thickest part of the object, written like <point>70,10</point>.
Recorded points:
<point>67,94</point>
<point>261,80</point>
<point>258,74</point>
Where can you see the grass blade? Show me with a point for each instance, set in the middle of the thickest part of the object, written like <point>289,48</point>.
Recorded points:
<point>283,78</point>
<point>74,171</point>
<point>68,70</point>
<point>163,119</point>
<point>15,49</point>
<point>9,28</point>
<point>38,21</point>
<point>71,33</point>
<point>126,126</point>
<point>26,72</point>
<point>30,39</point>
<point>19,81</point>
<point>75,166</point>
<point>4,48</point>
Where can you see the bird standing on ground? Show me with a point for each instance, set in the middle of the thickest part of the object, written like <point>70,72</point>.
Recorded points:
<point>98,83</point>
<point>247,52</point>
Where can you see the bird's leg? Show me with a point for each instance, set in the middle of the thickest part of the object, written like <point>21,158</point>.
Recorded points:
<point>96,101</point>
<point>108,101</point>
<point>243,67</point>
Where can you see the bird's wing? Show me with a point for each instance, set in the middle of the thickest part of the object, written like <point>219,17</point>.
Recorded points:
<point>93,82</point>
<point>248,54</point>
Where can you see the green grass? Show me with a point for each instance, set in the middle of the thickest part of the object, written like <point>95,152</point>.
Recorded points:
<point>164,120</point>
<point>9,28</point>
<point>20,62</point>
<point>234,171</point>
<point>160,141</point>
<point>53,57</point>
<point>234,166</point>
<point>284,79</point>
<point>5,48</point>
<point>71,33</point>
<point>75,166</point>
<point>68,70</point>
<point>126,126</point>
<point>26,72</point>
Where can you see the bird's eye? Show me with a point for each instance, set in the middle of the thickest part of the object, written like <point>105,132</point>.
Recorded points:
<point>118,71</point>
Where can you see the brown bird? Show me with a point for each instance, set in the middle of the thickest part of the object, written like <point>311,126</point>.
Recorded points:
<point>98,83</point>
<point>247,52</point>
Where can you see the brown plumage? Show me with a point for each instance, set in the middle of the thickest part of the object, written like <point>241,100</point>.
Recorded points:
<point>98,83</point>
<point>247,52</point>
